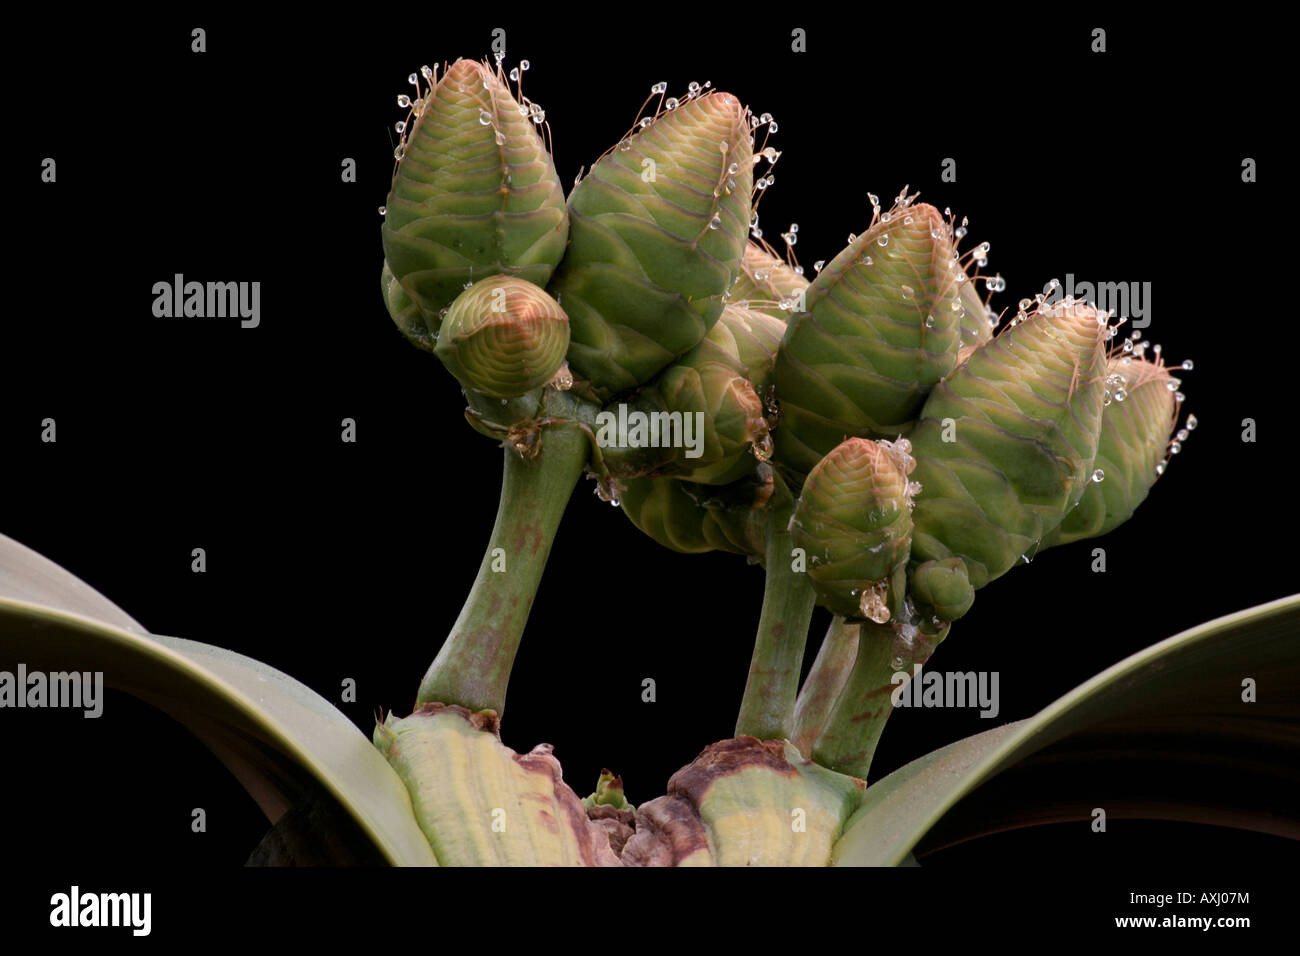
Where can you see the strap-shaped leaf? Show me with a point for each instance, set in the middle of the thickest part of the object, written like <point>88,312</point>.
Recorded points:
<point>1180,700</point>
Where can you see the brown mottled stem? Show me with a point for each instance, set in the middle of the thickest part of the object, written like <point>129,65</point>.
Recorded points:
<point>767,709</point>
<point>473,666</point>
<point>853,730</point>
<point>829,674</point>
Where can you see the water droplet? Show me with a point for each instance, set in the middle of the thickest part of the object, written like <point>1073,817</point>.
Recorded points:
<point>733,169</point>
<point>485,118</point>
<point>1187,365</point>
<point>404,101</point>
<point>886,217</point>
<point>1098,475</point>
<point>383,210</point>
<point>500,138</point>
<point>817,266</point>
<point>413,80</point>
<point>659,88</point>
<point>524,65</point>
<point>670,103</point>
<point>514,75</point>
<point>1191,423</point>
<point>1175,447</point>
<point>400,126</point>
<point>929,321</point>
<point>883,241</point>
<point>772,127</point>
<point>715,223</point>
<point>897,663</point>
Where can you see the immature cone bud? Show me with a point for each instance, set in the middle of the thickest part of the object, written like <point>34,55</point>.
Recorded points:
<point>1135,430</point>
<point>658,228</point>
<point>1006,443</point>
<point>941,588</point>
<point>503,337</point>
<point>475,194</point>
<point>768,284</point>
<point>712,394</point>
<point>883,325</point>
<point>854,522</point>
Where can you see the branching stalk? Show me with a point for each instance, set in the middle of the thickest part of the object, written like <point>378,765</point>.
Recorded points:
<point>821,689</point>
<point>473,666</point>
<point>849,741</point>
<point>767,708</point>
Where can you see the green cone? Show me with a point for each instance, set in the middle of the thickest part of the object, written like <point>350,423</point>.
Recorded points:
<point>976,323</point>
<point>883,325</point>
<point>745,340</point>
<point>404,312</point>
<point>693,519</point>
<point>767,284</point>
<point>1005,444</point>
<point>503,337</point>
<point>658,228</point>
<point>475,194</point>
<point>854,521</point>
<point>1135,430</point>
<point>721,378</point>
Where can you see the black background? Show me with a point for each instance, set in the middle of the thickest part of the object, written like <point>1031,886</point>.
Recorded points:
<point>331,560</point>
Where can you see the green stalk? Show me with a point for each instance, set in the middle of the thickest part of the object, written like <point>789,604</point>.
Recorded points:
<point>473,666</point>
<point>767,708</point>
<point>829,674</point>
<point>858,717</point>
